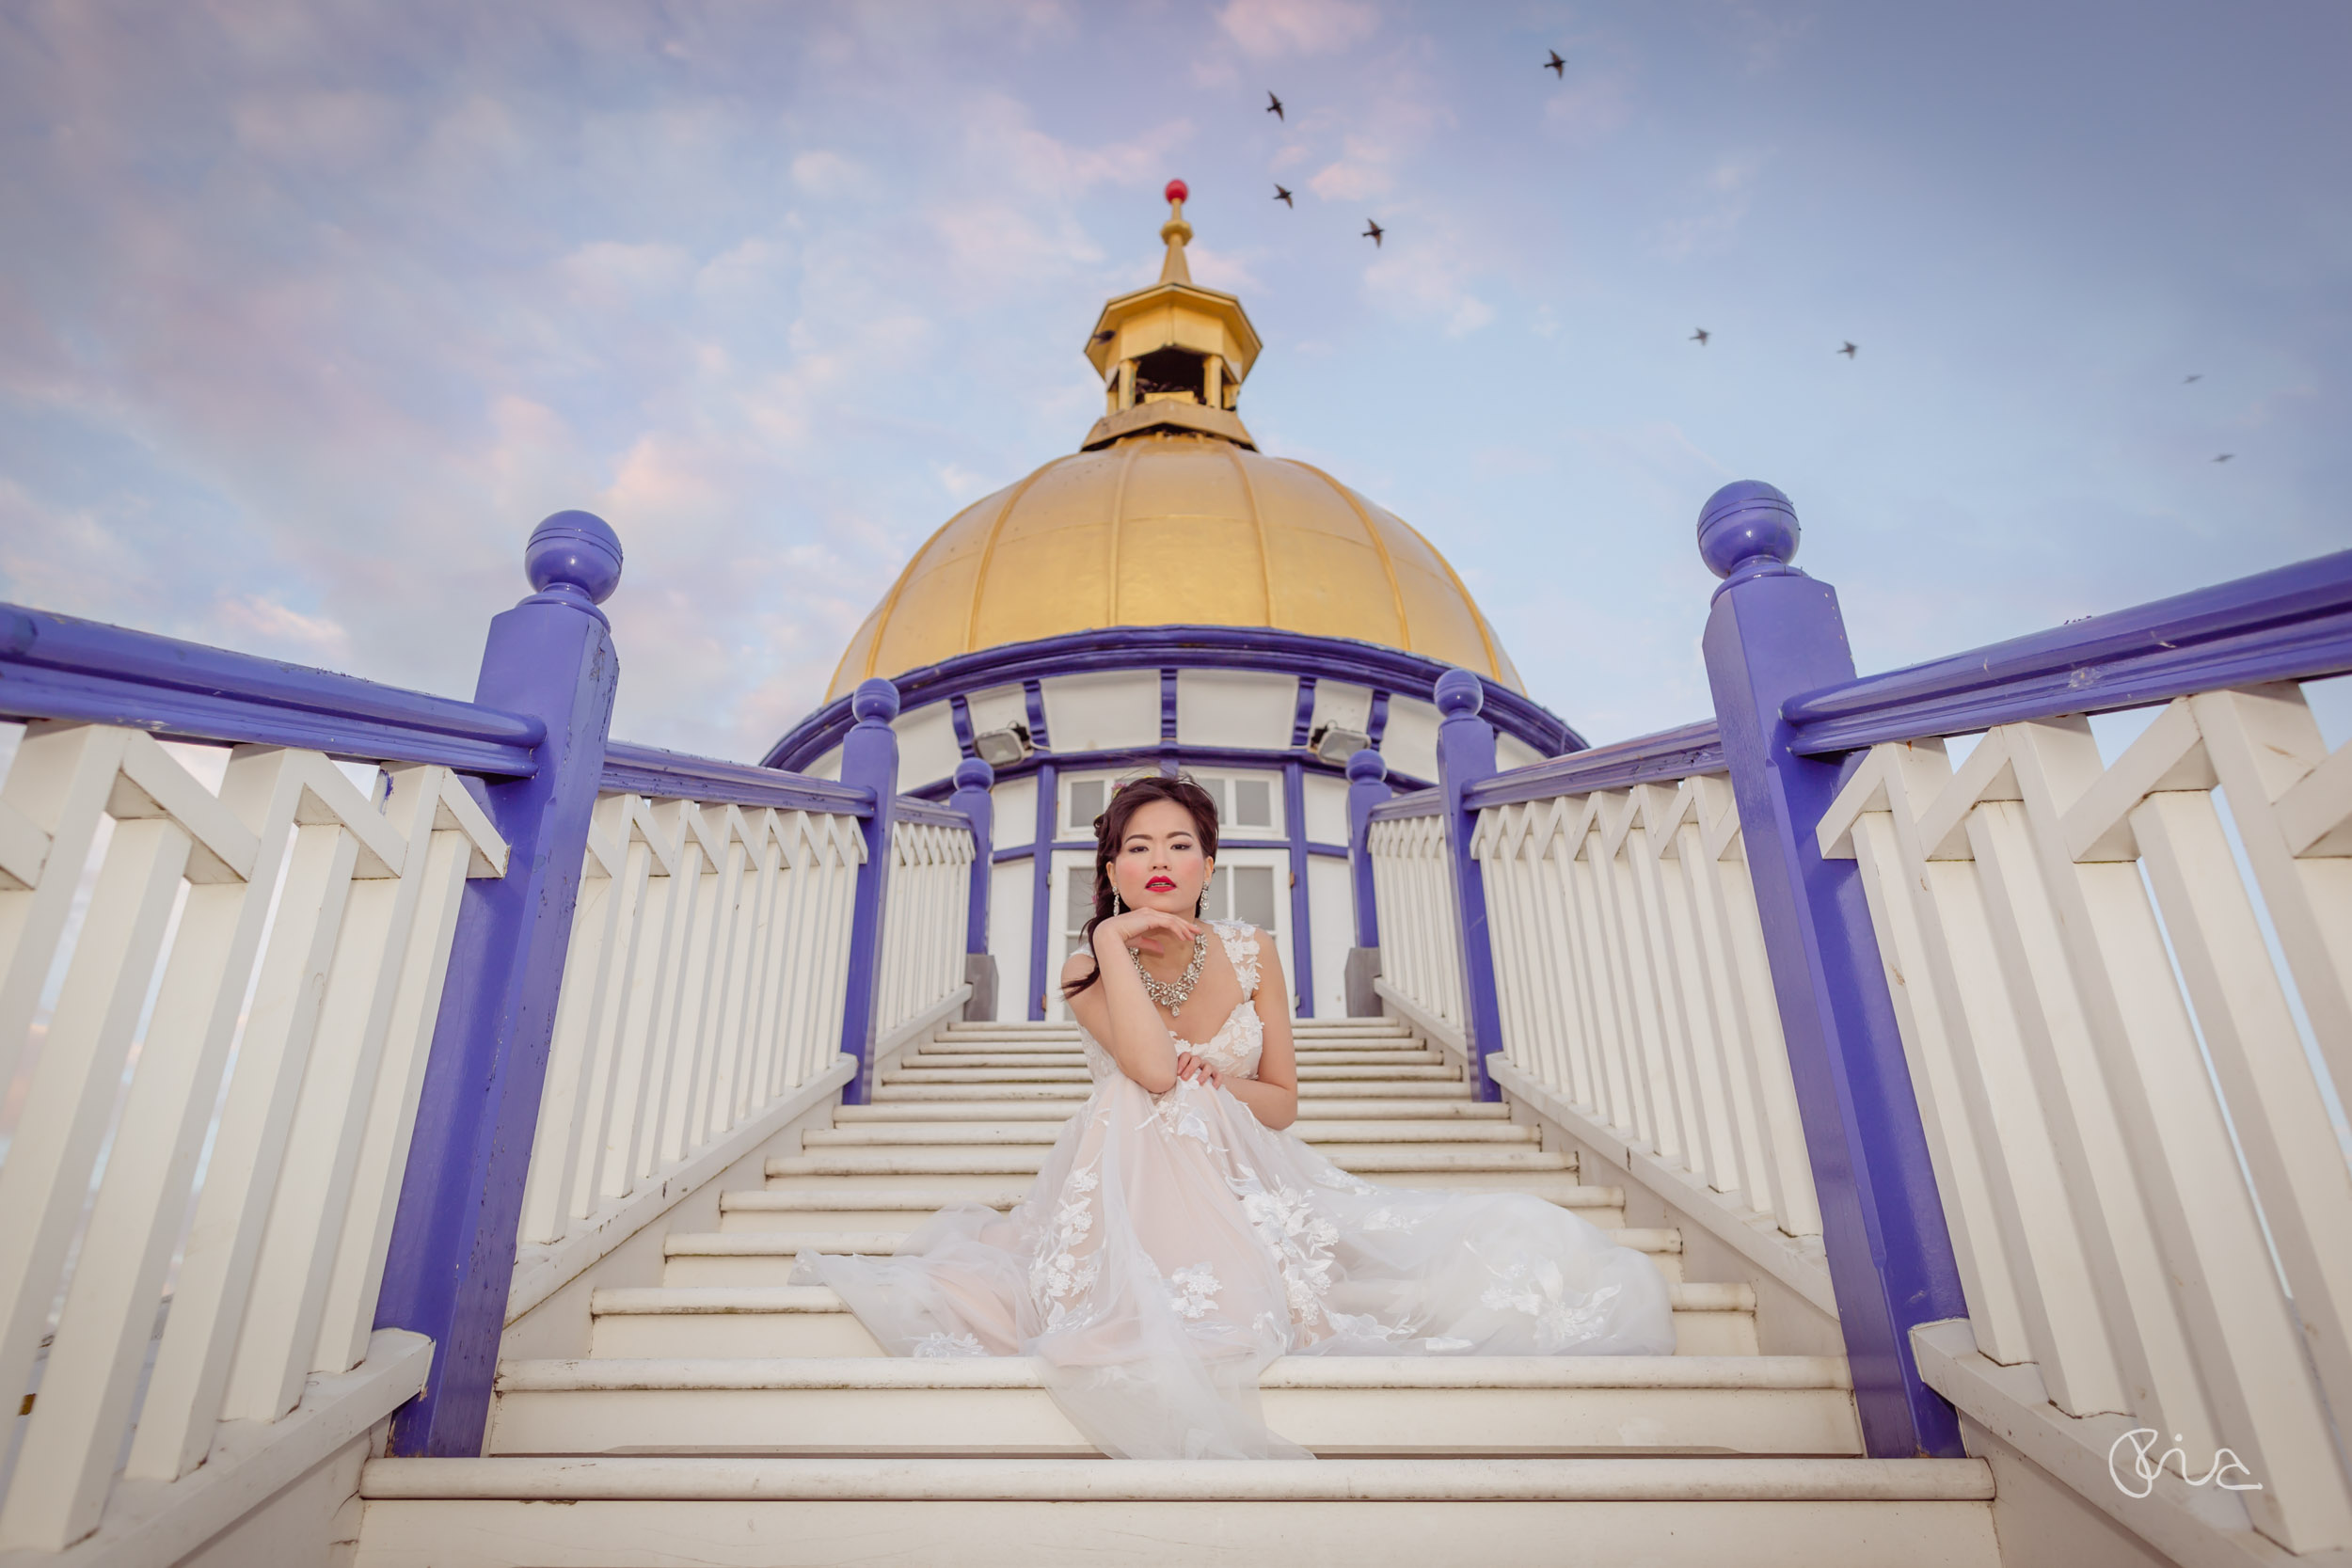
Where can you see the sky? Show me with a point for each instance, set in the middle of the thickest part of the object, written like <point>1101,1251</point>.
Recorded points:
<point>308,312</point>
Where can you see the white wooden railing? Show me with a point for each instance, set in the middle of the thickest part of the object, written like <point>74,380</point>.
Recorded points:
<point>1630,976</point>
<point>2116,1097</point>
<point>923,923</point>
<point>710,958</point>
<point>219,975</point>
<point>1420,933</point>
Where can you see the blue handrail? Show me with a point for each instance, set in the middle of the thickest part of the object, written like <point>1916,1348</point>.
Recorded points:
<point>2291,624</point>
<point>61,667</point>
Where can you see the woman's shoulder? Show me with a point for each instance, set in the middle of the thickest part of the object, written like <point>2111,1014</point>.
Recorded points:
<point>1078,965</point>
<point>1245,939</point>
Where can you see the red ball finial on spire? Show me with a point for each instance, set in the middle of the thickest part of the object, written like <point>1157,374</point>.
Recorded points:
<point>1176,191</point>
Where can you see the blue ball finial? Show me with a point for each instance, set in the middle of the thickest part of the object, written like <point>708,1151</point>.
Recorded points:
<point>573,555</point>
<point>875,700</point>
<point>1460,694</point>
<point>975,773</point>
<point>1366,766</point>
<point>1747,521</point>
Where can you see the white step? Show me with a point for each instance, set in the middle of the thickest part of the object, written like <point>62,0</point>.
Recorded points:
<point>1072,1092</point>
<point>921,1071</point>
<point>741,1512</point>
<point>869,1134</point>
<point>1340,1406</point>
<point>799,1207</point>
<point>1366,1160</point>
<point>1311,1108</point>
<point>761,1258</point>
<point>963,1056</point>
<point>810,1320</point>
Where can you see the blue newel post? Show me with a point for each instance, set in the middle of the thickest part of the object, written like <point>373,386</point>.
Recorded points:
<point>869,760</point>
<point>974,779</point>
<point>1465,754</point>
<point>1775,633</point>
<point>452,1254</point>
<point>1367,786</point>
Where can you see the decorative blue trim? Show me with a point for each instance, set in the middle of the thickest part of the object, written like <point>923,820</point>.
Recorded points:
<point>1032,699</point>
<point>1385,670</point>
<point>910,809</point>
<point>1022,851</point>
<point>1186,757</point>
<point>2292,624</point>
<point>870,761</point>
<point>1168,703</point>
<point>676,776</point>
<point>1367,789</point>
<point>450,1259</point>
<point>1648,759</point>
<point>978,807</point>
<point>1377,724</point>
<point>1302,913</point>
<point>1465,754</point>
<point>1303,716</point>
<point>1418,803</point>
<point>60,667</point>
<point>1041,884</point>
<point>1773,632</point>
<point>959,715</point>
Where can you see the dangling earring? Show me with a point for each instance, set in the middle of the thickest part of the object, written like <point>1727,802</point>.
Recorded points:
<point>1115,901</point>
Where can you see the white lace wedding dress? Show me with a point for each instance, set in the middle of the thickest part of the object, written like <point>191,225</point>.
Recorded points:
<point>1172,1246</point>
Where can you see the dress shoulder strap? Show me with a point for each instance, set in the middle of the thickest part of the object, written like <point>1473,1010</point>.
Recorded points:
<point>1241,949</point>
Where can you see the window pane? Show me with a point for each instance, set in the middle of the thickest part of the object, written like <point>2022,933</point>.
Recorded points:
<point>1253,803</point>
<point>1080,902</point>
<point>1221,902</point>
<point>1086,804</point>
<point>1253,896</point>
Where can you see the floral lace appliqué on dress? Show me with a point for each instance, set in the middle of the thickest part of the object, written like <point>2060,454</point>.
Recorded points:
<point>1172,1246</point>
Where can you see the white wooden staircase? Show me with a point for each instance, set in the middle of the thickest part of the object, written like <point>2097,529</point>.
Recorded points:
<point>727,1416</point>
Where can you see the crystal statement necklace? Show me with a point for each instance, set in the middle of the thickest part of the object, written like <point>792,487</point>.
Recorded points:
<point>1173,994</point>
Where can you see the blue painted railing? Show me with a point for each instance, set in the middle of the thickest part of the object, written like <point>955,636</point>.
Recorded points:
<point>533,753</point>
<point>1793,724</point>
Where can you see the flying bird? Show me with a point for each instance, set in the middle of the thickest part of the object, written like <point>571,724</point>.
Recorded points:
<point>2187,379</point>
<point>1282,194</point>
<point>1701,335</point>
<point>1372,232</point>
<point>1557,66</point>
<point>1846,351</point>
<point>1274,108</point>
<point>2225,457</point>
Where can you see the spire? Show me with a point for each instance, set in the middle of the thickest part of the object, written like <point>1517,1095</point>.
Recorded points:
<point>1177,233</point>
<point>1172,356</point>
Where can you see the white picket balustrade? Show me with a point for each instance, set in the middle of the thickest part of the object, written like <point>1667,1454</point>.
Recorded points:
<point>924,923</point>
<point>705,982</point>
<point>1420,938</point>
<point>1630,976</point>
<point>285,934</point>
<point>2090,1007</point>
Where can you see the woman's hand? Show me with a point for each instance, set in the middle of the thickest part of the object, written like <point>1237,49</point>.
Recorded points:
<point>1198,1070</point>
<point>1142,928</point>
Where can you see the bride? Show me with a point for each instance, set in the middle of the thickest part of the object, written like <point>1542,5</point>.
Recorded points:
<point>1180,1236</point>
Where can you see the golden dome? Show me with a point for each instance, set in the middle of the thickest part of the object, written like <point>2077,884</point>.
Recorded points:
<point>1171,517</point>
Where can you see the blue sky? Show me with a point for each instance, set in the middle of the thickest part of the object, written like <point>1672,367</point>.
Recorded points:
<point>308,312</point>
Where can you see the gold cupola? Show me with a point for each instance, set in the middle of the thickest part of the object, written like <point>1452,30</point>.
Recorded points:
<point>1172,356</point>
<point>1169,515</point>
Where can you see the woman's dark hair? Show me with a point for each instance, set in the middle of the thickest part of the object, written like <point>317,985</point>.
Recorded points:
<point>1110,832</point>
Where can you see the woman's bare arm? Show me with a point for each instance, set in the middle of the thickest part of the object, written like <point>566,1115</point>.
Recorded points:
<point>1273,1094</point>
<point>1117,1010</point>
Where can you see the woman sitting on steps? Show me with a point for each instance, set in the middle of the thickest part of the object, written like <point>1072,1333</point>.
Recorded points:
<point>1179,1237</point>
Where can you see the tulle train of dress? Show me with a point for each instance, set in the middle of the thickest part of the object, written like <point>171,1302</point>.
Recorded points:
<point>1173,1245</point>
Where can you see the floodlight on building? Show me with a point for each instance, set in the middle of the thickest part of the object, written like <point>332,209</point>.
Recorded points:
<point>1003,748</point>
